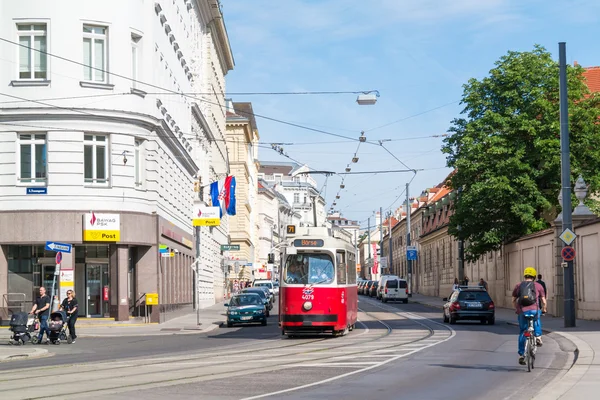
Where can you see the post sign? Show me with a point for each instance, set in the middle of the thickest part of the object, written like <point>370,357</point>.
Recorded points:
<point>206,216</point>
<point>101,227</point>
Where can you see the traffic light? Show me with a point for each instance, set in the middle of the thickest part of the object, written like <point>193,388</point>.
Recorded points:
<point>271,258</point>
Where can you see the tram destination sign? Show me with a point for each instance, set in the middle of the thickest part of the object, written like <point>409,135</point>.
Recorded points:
<point>309,243</point>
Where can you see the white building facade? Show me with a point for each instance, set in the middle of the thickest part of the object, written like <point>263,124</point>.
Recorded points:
<point>107,161</point>
<point>298,187</point>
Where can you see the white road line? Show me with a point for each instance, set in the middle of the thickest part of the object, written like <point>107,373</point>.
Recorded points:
<point>452,334</point>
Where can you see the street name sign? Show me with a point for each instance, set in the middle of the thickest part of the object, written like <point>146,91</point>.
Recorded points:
<point>229,247</point>
<point>37,190</point>
<point>568,236</point>
<point>55,246</point>
<point>411,253</point>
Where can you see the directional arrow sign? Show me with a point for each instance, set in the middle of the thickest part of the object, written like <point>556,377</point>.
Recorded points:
<point>62,247</point>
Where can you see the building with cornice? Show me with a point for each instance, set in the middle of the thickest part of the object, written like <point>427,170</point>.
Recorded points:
<point>108,168</point>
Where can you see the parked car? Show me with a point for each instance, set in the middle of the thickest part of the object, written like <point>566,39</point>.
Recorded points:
<point>265,283</point>
<point>469,303</point>
<point>395,289</point>
<point>382,281</point>
<point>246,308</point>
<point>264,295</point>
<point>373,289</point>
<point>361,287</point>
<point>366,290</point>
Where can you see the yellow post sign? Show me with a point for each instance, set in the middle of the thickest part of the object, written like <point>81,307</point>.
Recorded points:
<point>151,299</point>
<point>207,222</point>
<point>101,227</point>
<point>206,216</point>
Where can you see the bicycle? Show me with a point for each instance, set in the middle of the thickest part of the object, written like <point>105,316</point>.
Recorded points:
<point>530,343</point>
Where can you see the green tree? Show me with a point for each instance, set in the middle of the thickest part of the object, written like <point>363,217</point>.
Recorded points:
<point>506,149</point>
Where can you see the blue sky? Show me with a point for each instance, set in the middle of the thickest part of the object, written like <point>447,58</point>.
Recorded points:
<point>418,54</point>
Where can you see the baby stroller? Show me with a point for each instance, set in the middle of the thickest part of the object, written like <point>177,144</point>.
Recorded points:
<point>22,326</point>
<point>57,325</point>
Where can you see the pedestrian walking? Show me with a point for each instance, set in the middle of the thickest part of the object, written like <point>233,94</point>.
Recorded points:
<point>71,307</point>
<point>456,285</point>
<point>466,280</point>
<point>41,307</point>
<point>483,284</point>
<point>541,282</point>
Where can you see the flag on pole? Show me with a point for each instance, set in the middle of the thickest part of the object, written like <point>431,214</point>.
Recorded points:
<point>222,193</point>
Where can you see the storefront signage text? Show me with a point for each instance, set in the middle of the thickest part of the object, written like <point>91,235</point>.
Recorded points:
<point>101,227</point>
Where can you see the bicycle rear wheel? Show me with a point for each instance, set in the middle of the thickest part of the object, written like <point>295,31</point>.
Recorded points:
<point>529,352</point>
<point>527,355</point>
<point>532,348</point>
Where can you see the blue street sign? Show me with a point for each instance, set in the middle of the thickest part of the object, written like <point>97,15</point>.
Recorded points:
<point>40,190</point>
<point>411,253</point>
<point>62,247</point>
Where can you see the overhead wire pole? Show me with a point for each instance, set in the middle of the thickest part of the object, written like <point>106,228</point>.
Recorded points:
<point>380,238</point>
<point>408,262</point>
<point>567,221</point>
<point>369,246</point>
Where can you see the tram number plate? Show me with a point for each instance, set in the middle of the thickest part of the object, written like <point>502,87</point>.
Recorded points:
<point>245,318</point>
<point>474,305</point>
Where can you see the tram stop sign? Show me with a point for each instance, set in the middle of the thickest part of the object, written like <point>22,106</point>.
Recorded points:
<point>568,253</point>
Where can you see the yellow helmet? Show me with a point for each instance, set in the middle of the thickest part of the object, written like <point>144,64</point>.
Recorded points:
<point>530,271</point>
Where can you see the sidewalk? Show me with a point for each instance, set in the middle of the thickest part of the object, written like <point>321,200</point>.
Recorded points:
<point>209,318</point>
<point>9,352</point>
<point>582,380</point>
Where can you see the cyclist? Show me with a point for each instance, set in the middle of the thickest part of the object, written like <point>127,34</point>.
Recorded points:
<point>526,300</point>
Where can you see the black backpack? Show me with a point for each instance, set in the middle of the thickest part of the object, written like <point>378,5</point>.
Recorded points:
<point>527,293</point>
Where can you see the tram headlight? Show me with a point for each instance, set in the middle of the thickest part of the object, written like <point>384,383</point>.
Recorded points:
<point>307,306</point>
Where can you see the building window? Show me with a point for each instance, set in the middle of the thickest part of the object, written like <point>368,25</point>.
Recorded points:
<point>94,53</point>
<point>32,157</point>
<point>138,163</point>
<point>296,197</point>
<point>95,155</point>
<point>32,51</point>
<point>135,41</point>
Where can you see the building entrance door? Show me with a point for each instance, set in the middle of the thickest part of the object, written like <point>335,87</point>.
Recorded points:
<point>47,279</point>
<point>96,282</point>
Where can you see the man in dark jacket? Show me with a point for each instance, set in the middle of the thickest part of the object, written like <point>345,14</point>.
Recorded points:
<point>41,307</point>
<point>541,282</point>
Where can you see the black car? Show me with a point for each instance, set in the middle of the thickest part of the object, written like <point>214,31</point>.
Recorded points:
<point>373,289</point>
<point>264,297</point>
<point>469,303</point>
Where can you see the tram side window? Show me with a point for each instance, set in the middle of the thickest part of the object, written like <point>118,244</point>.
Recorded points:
<point>351,268</point>
<point>341,267</point>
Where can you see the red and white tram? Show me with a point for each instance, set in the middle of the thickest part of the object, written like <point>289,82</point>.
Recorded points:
<point>318,291</point>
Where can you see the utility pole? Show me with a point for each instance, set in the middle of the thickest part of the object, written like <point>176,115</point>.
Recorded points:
<point>408,262</point>
<point>369,245</point>
<point>390,258</point>
<point>380,238</point>
<point>461,249</point>
<point>567,222</point>
<point>314,198</point>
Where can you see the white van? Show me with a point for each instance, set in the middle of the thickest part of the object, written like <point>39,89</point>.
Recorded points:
<point>395,289</point>
<point>382,281</point>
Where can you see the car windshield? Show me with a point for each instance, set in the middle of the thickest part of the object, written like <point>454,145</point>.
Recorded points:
<point>307,268</point>
<point>474,296</point>
<point>250,299</point>
<point>259,292</point>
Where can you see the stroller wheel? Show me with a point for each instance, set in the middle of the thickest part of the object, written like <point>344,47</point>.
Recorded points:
<point>69,340</point>
<point>34,340</point>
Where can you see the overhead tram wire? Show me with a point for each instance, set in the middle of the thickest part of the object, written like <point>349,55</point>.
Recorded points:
<point>413,116</point>
<point>173,91</point>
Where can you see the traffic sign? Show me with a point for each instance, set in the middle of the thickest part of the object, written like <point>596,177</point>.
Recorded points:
<point>58,257</point>
<point>411,253</point>
<point>55,246</point>
<point>229,247</point>
<point>162,248</point>
<point>568,253</point>
<point>568,236</point>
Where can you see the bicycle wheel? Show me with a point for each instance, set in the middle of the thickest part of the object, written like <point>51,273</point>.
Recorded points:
<point>529,353</point>
<point>527,356</point>
<point>533,347</point>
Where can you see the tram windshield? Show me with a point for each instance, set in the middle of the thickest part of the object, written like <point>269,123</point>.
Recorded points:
<point>307,268</point>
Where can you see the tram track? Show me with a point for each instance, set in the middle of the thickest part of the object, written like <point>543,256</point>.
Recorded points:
<point>139,374</point>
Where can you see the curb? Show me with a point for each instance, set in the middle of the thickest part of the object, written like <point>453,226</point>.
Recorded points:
<point>37,353</point>
<point>183,331</point>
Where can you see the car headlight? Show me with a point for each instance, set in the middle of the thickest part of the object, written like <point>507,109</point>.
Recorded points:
<point>232,312</point>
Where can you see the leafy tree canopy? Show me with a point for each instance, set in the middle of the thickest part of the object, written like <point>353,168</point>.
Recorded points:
<point>506,149</point>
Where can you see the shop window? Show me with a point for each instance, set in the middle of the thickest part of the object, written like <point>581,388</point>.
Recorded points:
<point>19,259</point>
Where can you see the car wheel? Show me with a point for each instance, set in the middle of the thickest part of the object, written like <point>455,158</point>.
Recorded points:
<point>492,321</point>
<point>445,318</point>
<point>452,320</point>
<point>229,324</point>
<point>384,300</point>
<point>264,323</point>
<point>405,301</point>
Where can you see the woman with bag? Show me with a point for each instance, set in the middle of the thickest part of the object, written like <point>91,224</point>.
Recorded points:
<point>70,306</point>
